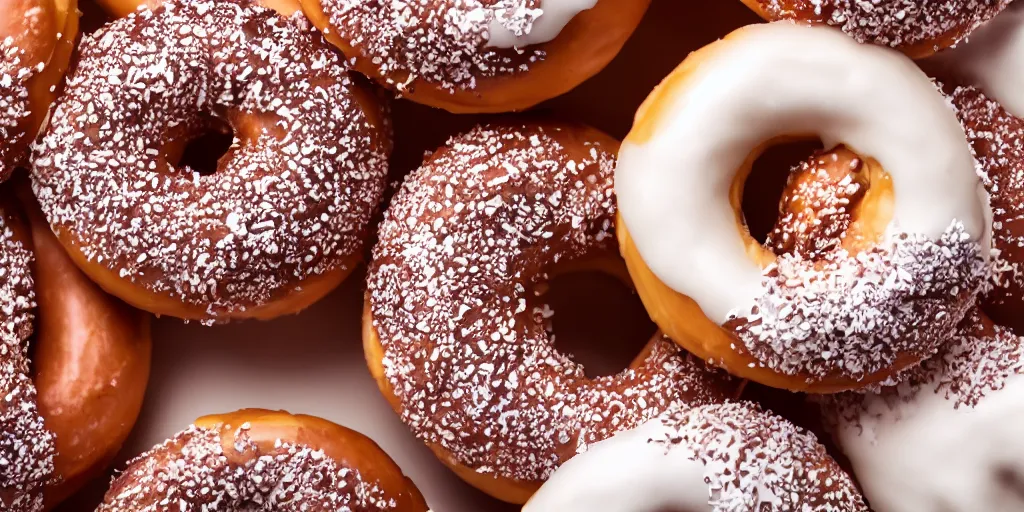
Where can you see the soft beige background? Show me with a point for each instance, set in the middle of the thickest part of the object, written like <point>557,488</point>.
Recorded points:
<point>312,363</point>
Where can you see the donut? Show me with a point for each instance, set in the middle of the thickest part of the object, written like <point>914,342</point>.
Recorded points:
<point>714,458</point>
<point>36,41</point>
<point>946,436</point>
<point>816,210</point>
<point>122,8</point>
<point>879,302</point>
<point>918,28</point>
<point>285,216</point>
<point>270,459</point>
<point>480,55</point>
<point>982,79</point>
<point>71,401</point>
<point>454,329</point>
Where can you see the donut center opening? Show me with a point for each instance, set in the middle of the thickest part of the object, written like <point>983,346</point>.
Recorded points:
<point>595,319</point>
<point>764,186</point>
<point>799,198</point>
<point>202,151</point>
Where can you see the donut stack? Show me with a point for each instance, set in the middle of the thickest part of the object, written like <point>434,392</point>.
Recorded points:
<point>860,355</point>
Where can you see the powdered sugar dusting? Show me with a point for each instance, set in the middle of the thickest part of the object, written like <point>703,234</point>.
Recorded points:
<point>26,447</point>
<point>758,461</point>
<point>15,71</point>
<point>451,289</point>
<point>442,42</point>
<point>194,471</point>
<point>291,199</point>
<point>895,23</point>
<point>855,314</point>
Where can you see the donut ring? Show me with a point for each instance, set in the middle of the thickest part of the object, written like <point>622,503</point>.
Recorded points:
<point>948,434</point>
<point>918,28</point>
<point>284,218</point>
<point>469,59</point>
<point>67,412</point>
<point>717,457</point>
<point>983,79</point>
<point>452,329</point>
<point>855,317</point>
<point>36,41</point>
<point>291,462</point>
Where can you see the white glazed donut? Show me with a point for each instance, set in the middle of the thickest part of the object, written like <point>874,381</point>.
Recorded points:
<point>855,316</point>
<point>993,59</point>
<point>949,436</point>
<point>714,458</point>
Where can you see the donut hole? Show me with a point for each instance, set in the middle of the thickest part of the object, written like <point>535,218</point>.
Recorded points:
<point>202,151</point>
<point>792,203</point>
<point>595,319</point>
<point>764,186</point>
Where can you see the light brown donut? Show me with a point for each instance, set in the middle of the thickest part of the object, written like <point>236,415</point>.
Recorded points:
<point>287,462</point>
<point>876,303</point>
<point>453,328</point>
<point>36,41</point>
<point>70,411</point>
<point>443,61</point>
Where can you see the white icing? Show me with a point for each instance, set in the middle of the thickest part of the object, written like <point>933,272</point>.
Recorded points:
<point>548,22</point>
<point>927,455</point>
<point>993,59</point>
<point>784,79</point>
<point>627,473</point>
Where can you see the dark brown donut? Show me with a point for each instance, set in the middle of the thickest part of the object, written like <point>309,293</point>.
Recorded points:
<point>283,219</point>
<point>997,137</point>
<point>454,330</point>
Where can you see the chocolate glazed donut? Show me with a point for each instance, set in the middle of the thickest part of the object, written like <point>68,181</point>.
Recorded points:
<point>916,27</point>
<point>284,218</point>
<point>454,330</point>
<point>71,408</point>
<point>982,78</point>
<point>480,55</point>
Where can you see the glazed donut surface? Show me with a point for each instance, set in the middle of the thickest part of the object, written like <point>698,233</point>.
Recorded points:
<point>947,433</point>
<point>73,405</point>
<point>823,325</point>
<point>284,217</point>
<point>480,55</point>
<point>713,458</point>
<point>454,332</point>
<point>272,460</point>
<point>916,27</point>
